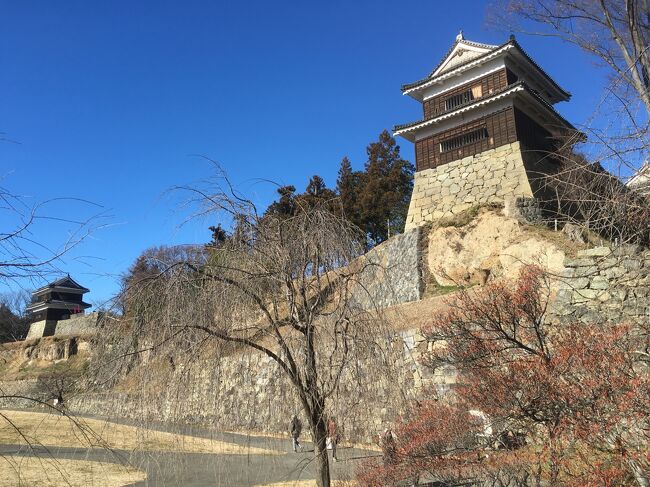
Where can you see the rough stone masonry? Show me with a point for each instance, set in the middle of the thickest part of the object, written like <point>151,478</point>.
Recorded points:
<point>489,177</point>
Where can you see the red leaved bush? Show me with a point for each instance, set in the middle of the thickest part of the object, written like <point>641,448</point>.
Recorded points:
<point>537,401</point>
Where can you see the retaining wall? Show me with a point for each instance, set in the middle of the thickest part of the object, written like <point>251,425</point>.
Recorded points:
<point>393,272</point>
<point>605,284</point>
<point>489,177</point>
<point>217,393</point>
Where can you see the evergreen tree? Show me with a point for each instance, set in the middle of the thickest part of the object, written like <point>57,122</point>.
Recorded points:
<point>13,327</point>
<point>347,186</point>
<point>219,236</point>
<point>376,200</point>
<point>285,206</point>
<point>318,194</point>
<point>385,190</point>
<point>316,186</point>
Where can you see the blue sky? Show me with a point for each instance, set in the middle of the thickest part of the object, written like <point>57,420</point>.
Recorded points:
<point>111,101</point>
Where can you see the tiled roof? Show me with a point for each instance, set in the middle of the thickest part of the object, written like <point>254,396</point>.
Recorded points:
<point>481,101</point>
<point>430,77</point>
<point>59,303</point>
<point>511,42</point>
<point>491,47</point>
<point>66,281</point>
<point>531,61</point>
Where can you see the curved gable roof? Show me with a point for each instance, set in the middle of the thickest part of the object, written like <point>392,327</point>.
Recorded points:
<point>461,51</point>
<point>65,282</point>
<point>477,55</point>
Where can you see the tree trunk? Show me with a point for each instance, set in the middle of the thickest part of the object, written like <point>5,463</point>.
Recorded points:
<point>319,432</point>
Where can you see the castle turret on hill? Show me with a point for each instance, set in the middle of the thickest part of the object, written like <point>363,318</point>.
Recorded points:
<point>488,128</point>
<point>57,300</point>
<point>58,308</point>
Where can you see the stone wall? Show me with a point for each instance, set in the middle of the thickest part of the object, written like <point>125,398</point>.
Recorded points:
<point>41,329</point>
<point>489,177</point>
<point>78,325</point>
<point>392,272</point>
<point>218,393</point>
<point>24,393</point>
<point>605,284</point>
<point>248,391</point>
<point>527,210</point>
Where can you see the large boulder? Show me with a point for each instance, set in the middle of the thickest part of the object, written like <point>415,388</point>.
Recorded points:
<point>490,246</point>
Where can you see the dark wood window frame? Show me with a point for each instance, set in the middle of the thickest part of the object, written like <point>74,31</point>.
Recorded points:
<point>458,100</point>
<point>501,130</point>
<point>464,139</point>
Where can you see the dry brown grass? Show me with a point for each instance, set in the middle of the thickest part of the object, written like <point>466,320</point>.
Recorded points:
<point>311,483</point>
<point>20,427</point>
<point>48,472</point>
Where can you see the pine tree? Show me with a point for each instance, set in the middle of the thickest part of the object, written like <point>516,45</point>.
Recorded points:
<point>347,186</point>
<point>316,186</point>
<point>385,189</point>
<point>219,236</point>
<point>318,194</point>
<point>285,206</point>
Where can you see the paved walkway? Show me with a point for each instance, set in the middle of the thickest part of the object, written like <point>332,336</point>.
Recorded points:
<point>201,469</point>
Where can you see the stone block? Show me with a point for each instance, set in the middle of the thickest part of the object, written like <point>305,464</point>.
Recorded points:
<point>491,182</point>
<point>614,272</point>
<point>591,316</point>
<point>580,262</point>
<point>576,283</point>
<point>595,252</point>
<point>447,182</point>
<point>599,282</point>
<point>645,280</point>
<point>583,295</point>
<point>589,271</point>
<point>632,264</point>
<point>604,296</point>
<point>619,294</point>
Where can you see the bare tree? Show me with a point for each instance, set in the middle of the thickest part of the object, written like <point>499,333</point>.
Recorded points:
<point>615,32</point>
<point>583,193</point>
<point>34,241</point>
<point>286,288</point>
<point>24,253</point>
<point>587,189</point>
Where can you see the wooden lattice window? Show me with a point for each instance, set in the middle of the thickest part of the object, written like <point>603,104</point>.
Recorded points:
<point>465,97</point>
<point>464,139</point>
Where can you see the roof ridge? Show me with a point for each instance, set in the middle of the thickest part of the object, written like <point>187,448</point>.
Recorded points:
<point>430,76</point>
<point>60,281</point>
<point>511,41</point>
<point>462,41</point>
